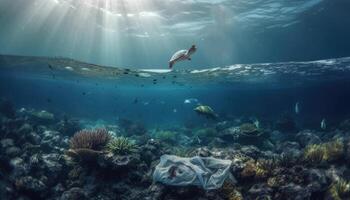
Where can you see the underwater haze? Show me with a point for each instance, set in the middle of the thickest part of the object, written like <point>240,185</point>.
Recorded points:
<point>174,99</point>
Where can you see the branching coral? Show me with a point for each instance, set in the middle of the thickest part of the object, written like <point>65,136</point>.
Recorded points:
<point>340,190</point>
<point>121,146</point>
<point>329,151</point>
<point>90,139</point>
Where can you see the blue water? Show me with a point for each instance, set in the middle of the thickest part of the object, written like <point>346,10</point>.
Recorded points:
<point>158,99</point>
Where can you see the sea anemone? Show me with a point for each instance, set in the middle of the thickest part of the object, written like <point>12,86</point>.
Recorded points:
<point>86,145</point>
<point>121,146</point>
<point>340,190</point>
<point>90,139</point>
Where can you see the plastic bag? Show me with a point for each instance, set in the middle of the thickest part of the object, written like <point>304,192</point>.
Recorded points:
<point>207,172</point>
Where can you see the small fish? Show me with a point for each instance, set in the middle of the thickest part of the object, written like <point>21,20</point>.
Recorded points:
<point>174,110</point>
<point>323,124</point>
<point>84,93</point>
<point>48,100</point>
<point>296,108</point>
<point>136,100</point>
<point>199,140</point>
<point>257,123</point>
<point>190,100</point>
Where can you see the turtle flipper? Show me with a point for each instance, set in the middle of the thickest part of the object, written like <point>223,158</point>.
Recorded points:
<point>171,65</point>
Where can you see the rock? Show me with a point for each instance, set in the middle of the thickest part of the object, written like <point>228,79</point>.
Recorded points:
<point>317,180</point>
<point>203,152</point>
<point>259,190</point>
<point>30,184</point>
<point>74,193</point>
<point>7,142</point>
<point>68,126</point>
<point>155,191</point>
<point>307,137</point>
<point>251,151</point>
<point>19,167</point>
<point>13,152</point>
<point>24,130</point>
<point>33,138</point>
<point>115,162</point>
<point>222,125</point>
<point>295,192</point>
<point>287,147</point>
<point>52,163</point>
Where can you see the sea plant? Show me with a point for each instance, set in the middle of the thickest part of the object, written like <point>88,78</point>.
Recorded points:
<point>121,146</point>
<point>314,153</point>
<point>318,153</point>
<point>340,190</point>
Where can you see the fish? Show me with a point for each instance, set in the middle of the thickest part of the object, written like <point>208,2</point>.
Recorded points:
<point>190,100</point>
<point>136,100</point>
<point>175,110</point>
<point>296,108</point>
<point>257,123</point>
<point>323,124</point>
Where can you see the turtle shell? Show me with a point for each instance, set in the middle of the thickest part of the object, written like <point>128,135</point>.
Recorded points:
<point>178,54</point>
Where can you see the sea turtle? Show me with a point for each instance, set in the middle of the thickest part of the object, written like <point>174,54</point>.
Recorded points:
<point>182,55</point>
<point>206,111</point>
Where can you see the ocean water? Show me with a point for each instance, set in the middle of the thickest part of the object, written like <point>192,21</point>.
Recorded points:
<point>90,109</point>
<point>158,97</point>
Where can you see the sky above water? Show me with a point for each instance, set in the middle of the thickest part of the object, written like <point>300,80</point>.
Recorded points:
<point>145,33</point>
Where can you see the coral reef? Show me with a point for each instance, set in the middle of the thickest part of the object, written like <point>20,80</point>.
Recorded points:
<point>166,136</point>
<point>121,146</point>
<point>318,153</point>
<point>90,139</point>
<point>248,129</point>
<point>34,162</point>
<point>132,128</point>
<point>339,190</point>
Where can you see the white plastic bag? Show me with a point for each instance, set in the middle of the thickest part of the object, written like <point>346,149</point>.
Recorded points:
<point>207,172</point>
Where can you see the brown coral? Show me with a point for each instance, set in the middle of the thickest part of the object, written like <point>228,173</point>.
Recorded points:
<point>90,139</point>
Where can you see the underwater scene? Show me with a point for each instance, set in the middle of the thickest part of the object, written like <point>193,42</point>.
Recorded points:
<point>175,100</point>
